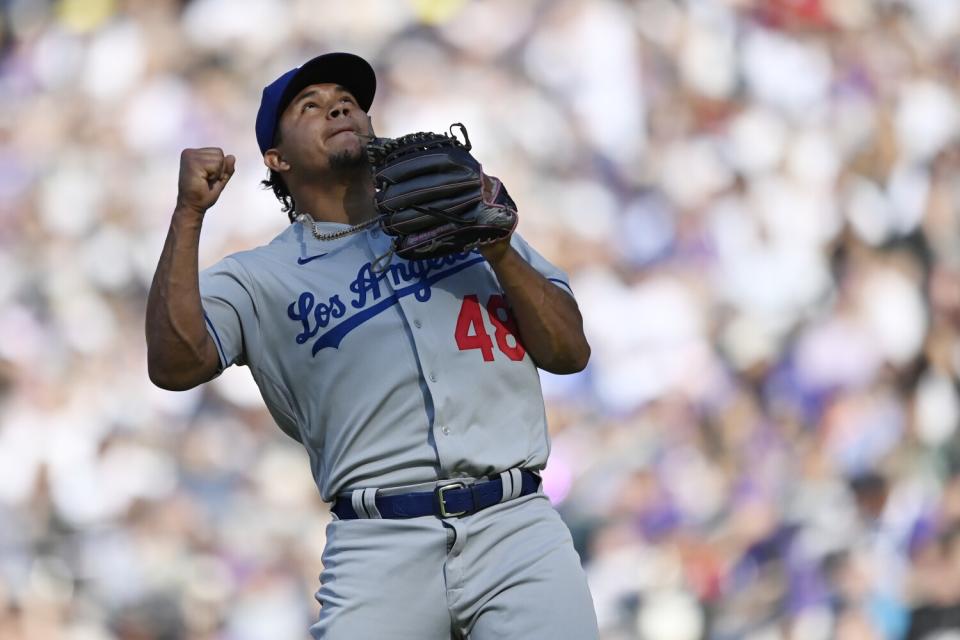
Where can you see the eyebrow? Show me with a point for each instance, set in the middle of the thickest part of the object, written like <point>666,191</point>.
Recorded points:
<point>338,88</point>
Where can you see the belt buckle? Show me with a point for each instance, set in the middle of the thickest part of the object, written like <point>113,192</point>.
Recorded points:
<point>442,503</point>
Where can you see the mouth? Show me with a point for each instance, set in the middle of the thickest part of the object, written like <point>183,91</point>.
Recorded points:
<point>341,132</point>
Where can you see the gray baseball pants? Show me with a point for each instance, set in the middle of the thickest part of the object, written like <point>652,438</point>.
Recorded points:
<point>509,571</point>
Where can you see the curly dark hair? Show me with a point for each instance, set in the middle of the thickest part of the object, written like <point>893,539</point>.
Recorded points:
<point>275,181</point>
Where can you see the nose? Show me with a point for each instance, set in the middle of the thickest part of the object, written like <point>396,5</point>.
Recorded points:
<point>338,111</point>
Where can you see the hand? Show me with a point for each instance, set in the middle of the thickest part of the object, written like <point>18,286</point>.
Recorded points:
<point>203,175</point>
<point>494,251</point>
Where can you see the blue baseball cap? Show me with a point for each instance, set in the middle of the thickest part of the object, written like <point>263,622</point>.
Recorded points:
<point>346,69</point>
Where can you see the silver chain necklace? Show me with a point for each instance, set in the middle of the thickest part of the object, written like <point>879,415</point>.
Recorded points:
<point>379,265</point>
<point>307,220</point>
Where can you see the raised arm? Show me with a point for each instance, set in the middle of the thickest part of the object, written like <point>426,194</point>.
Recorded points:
<point>548,318</point>
<point>180,352</point>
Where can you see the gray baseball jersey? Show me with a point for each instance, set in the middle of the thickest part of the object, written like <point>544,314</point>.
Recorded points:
<point>388,378</point>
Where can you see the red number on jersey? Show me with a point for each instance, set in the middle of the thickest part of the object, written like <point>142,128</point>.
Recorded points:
<point>472,318</point>
<point>505,326</point>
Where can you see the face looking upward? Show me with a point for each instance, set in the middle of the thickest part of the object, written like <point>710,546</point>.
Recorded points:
<point>317,133</point>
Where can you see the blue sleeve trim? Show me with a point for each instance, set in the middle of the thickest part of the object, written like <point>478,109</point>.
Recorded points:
<point>561,282</point>
<point>216,337</point>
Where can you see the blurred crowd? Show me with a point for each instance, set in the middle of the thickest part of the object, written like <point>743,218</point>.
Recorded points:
<point>758,203</point>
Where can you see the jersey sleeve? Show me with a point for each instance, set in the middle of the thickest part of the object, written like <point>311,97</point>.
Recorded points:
<point>547,269</point>
<point>228,310</point>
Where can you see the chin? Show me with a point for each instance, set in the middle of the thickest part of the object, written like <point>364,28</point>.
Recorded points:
<point>348,158</point>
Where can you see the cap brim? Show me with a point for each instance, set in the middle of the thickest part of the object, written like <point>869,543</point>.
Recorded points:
<point>346,69</point>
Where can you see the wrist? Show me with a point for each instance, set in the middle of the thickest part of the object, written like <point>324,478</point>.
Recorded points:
<point>188,212</point>
<point>496,253</point>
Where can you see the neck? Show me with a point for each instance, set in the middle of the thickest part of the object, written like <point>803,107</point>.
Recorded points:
<point>342,197</point>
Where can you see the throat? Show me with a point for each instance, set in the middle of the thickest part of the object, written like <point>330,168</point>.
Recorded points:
<point>336,199</point>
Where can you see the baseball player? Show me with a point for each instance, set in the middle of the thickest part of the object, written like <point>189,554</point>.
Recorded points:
<point>412,385</point>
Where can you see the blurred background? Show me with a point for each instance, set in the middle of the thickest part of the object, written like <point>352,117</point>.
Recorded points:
<point>757,203</point>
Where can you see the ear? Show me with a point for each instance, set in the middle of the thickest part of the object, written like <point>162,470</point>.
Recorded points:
<point>275,161</point>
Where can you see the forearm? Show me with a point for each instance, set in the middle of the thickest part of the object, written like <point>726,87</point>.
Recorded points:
<point>548,319</point>
<point>180,352</point>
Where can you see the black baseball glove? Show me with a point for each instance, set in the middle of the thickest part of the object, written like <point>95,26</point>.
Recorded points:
<point>433,196</point>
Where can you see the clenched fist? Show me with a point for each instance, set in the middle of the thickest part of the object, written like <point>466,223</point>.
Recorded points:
<point>203,175</point>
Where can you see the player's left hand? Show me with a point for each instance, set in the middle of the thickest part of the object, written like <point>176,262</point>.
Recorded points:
<point>433,197</point>
<point>494,251</point>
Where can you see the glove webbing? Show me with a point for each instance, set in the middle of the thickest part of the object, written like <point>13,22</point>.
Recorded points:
<point>381,151</point>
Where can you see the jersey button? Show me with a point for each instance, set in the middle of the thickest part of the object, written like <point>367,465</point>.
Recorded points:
<point>417,323</point>
<point>433,377</point>
<point>445,429</point>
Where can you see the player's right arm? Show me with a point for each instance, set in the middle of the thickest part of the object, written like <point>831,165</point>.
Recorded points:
<point>180,352</point>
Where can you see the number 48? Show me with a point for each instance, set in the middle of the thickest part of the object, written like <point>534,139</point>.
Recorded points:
<point>471,332</point>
